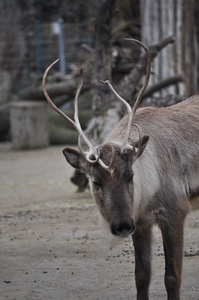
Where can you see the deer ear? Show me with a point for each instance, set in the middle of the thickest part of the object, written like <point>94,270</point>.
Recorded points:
<point>145,140</point>
<point>75,159</point>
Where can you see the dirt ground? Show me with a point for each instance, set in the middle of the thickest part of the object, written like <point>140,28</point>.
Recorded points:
<point>52,246</point>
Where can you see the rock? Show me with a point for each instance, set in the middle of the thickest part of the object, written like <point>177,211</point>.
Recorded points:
<point>5,87</point>
<point>59,135</point>
<point>28,123</point>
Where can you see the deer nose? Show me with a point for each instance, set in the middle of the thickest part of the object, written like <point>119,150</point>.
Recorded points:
<point>123,228</point>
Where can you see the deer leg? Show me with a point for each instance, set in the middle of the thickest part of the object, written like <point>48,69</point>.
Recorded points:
<point>142,246</point>
<point>172,234</point>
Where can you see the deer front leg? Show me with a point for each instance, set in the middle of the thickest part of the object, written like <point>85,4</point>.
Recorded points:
<point>142,246</point>
<point>172,234</point>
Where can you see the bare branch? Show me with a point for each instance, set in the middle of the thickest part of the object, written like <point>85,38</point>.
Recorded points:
<point>131,80</point>
<point>162,84</point>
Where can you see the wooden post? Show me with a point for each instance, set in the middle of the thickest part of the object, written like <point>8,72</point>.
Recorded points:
<point>160,19</point>
<point>28,125</point>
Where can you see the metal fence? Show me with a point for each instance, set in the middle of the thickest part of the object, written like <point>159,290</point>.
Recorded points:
<point>26,51</point>
<point>58,40</point>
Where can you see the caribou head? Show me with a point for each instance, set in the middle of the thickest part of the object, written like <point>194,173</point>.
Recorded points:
<point>109,165</point>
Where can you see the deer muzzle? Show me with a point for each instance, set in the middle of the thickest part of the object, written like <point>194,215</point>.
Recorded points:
<point>122,229</point>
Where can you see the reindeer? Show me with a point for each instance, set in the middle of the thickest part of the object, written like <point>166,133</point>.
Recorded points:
<point>145,173</point>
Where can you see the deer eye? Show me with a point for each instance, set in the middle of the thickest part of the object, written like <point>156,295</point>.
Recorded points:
<point>96,183</point>
<point>131,178</point>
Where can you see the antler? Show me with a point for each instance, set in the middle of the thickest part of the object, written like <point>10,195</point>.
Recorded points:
<point>131,111</point>
<point>75,123</point>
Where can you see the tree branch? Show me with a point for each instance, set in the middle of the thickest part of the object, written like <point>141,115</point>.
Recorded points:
<point>103,52</point>
<point>162,84</point>
<point>128,84</point>
<point>155,49</point>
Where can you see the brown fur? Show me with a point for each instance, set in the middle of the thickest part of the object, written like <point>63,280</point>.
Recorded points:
<point>155,188</point>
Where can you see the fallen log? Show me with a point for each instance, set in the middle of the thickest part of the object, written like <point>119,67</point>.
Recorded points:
<point>54,90</point>
<point>62,135</point>
<point>162,84</point>
<point>4,121</point>
<point>28,125</point>
<point>57,120</point>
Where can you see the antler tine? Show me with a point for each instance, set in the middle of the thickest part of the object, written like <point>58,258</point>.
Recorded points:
<point>140,139</point>
<point>140,136</point>
<point>92,149</point>
<point>87,156</point>
<point>117,95</point>
<point>131,111</point>
<point>49,99</point>
<point>132,147</point>
<point>136,104</point>
<point>76,123</point>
